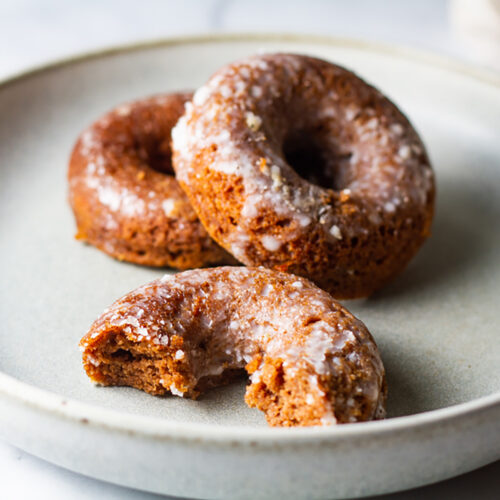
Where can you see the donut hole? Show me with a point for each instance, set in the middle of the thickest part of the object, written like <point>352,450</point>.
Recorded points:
<point>159,157</point>
<point>202,344</point>
<point>315,158</point>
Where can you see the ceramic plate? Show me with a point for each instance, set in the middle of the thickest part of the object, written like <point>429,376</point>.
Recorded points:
<point>436,325</point>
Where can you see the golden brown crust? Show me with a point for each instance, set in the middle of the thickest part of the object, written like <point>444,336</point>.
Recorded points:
<point>360,201</point>
<point>310,361</point>
<point>124,196</point>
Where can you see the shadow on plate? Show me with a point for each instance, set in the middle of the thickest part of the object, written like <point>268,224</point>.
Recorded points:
<point>455,246</point>
<point>413,383</point>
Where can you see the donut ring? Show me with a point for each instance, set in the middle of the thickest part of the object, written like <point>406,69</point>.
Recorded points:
<point>124,197</point>
<point>296,164</point>
<point>310,361</point>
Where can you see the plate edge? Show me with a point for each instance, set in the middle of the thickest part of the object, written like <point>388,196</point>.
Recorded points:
<point>68,408</point>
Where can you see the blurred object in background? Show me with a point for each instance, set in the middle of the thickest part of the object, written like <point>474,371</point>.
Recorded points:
<point>33,32</point>
<point>476,25</point>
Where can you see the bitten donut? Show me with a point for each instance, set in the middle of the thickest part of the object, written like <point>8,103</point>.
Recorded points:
<point>296,164</point>
<point>123,193</point>
<point>310,361</point>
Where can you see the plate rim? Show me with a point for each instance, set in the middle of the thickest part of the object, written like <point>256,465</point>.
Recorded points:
<point>429,57</point>
<point>30,396</point>
<point>74,411</point>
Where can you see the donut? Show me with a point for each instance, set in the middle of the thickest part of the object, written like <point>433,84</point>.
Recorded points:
<point>124,196</point>
<point>310,361</point>
<point>297,164</point>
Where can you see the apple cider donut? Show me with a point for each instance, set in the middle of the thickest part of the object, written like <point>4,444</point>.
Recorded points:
<point>123,193</point>
<point>297,164</point>
<point>310,361</point>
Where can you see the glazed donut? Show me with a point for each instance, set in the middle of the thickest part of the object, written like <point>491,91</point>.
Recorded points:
<point>296,164</point>
<point>310,361</point>
<point>124,196</point>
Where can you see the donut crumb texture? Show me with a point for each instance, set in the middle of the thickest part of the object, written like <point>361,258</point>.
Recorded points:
<point>309,361</point>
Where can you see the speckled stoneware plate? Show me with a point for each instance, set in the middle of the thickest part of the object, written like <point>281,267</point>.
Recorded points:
<point>436,325</point>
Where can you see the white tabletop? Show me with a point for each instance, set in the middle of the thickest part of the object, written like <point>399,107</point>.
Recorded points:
<point>36,31</point>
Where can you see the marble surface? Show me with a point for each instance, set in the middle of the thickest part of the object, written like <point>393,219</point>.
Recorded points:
<point>34,32</point>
